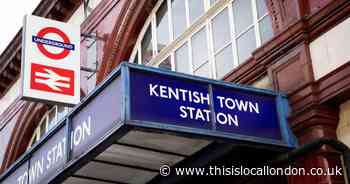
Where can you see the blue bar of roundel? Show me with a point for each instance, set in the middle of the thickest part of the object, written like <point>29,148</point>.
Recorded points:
<point>36,39</point>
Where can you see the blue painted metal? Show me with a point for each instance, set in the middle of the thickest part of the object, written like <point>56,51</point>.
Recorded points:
<point>126,91</point>
<point>68,134</point>
<point>284,112</point>
<point>123,72</point>
<point>212,107</point>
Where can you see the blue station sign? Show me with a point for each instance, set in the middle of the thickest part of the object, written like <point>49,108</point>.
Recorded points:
<point>135,96</point>
<point>226,109</point>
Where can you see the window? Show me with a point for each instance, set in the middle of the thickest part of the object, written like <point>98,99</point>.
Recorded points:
<point>222,43</point>
<point>47,122</point>
<point>261,8</point>
<point>221,30</point>
<point>196,9</point>
<point>224,62</point>
<point>182,59</point>
<point>266,32</point>
<point>202,37</point>
<point>246,43</point>
<point>136,58</point>
<point>83,11</point>
<point>179,16</point>
<point>146,46</point>
<point>200,56</point>
<point>163,35</point>
<point>199,49</point>
<point>166,64</point>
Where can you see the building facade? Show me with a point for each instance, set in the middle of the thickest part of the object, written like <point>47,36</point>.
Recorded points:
<point>298,47</point>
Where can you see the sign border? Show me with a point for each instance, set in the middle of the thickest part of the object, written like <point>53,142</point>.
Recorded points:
<point>29,94</point>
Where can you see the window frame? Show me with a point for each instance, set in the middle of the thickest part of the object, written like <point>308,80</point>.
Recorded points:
<point>205,20</point>
<point>39,132</point>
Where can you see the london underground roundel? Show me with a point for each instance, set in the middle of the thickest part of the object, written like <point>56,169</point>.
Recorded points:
<point>41,39</point>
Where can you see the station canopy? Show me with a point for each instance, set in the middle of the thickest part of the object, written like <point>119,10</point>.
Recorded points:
<point>140,118</point>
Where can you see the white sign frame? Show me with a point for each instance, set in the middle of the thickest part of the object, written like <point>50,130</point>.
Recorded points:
<point>67,57</point>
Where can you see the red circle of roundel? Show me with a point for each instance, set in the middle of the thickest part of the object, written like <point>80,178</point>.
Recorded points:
<point>47,53</point>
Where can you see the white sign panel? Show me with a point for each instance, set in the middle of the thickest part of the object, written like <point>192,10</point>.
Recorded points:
<point>50,61</point>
